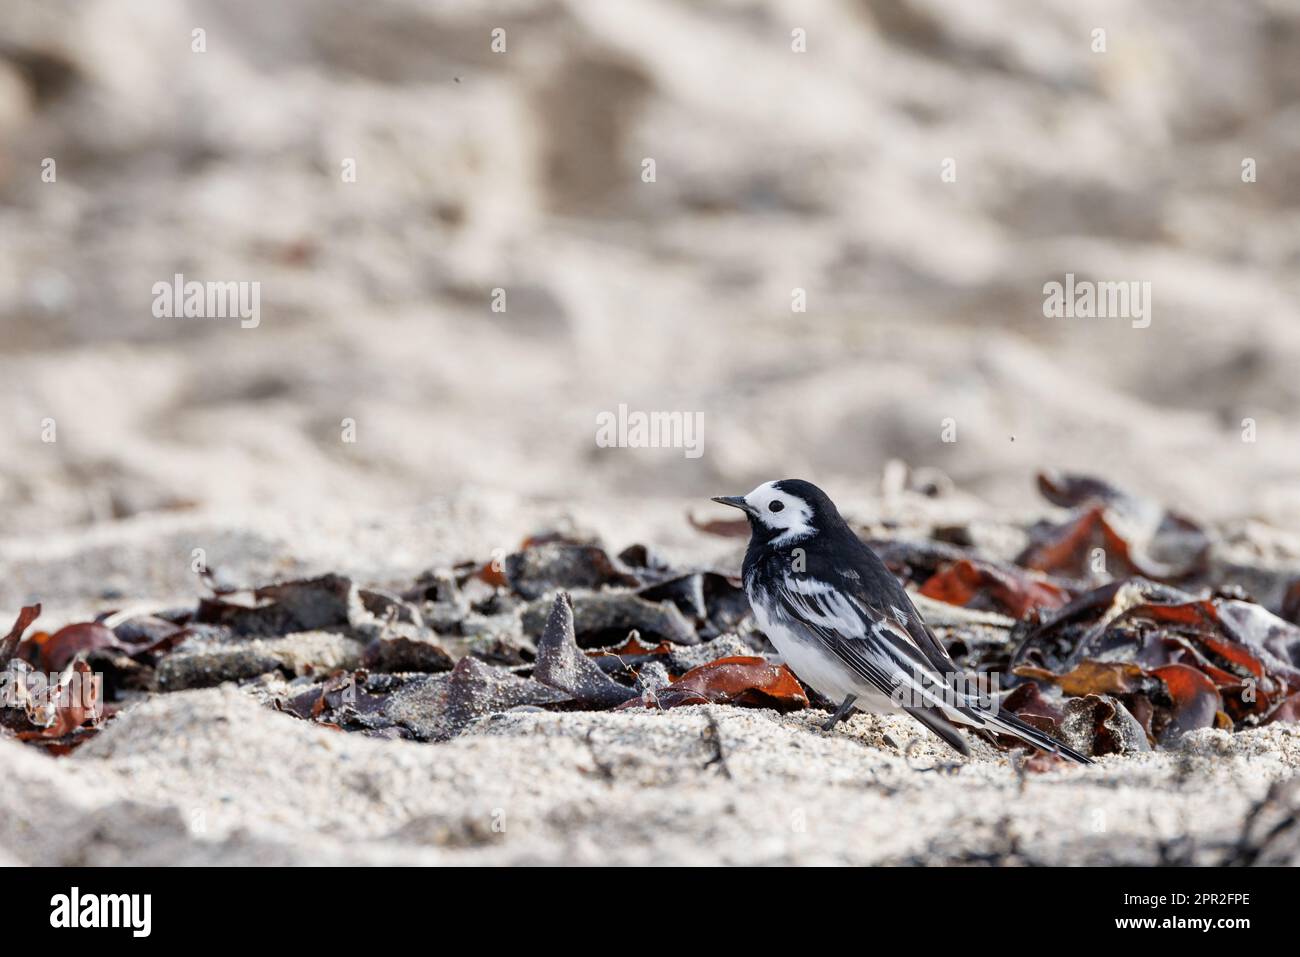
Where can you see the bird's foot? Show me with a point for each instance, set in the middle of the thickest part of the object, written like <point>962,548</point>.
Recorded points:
<point>840,714</point>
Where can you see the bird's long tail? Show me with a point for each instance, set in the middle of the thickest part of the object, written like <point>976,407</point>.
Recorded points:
<point>936,722</point>
<point>1001,722</point>
<point>1004,722</point>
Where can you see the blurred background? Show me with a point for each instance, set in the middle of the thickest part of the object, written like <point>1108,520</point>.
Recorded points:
<point>775,170</point>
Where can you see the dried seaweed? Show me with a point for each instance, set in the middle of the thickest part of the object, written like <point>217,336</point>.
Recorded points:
<point>282,609</point>
<point>541,569</point>
<point>561,665</point>
<point>405,653</point>
<point>716,603</point>
<point>9,644</point>
<point>744,681</point>
<point>1131,536</point>
<point>988,586</point>
<point>58,649</point>
<point>57,716</point>
<point>1100,724</point>
<point>476,689</point>
<point>602,618</point>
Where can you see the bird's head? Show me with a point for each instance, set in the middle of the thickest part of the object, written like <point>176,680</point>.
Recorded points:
<point>786,511</point>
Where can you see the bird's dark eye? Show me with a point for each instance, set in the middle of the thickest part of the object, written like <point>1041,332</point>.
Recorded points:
<point>775,505</point>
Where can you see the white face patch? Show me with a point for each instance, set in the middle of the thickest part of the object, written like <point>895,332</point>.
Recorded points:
<point>792,516</point>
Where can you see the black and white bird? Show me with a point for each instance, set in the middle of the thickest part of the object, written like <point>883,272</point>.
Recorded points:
<point>847,628</point>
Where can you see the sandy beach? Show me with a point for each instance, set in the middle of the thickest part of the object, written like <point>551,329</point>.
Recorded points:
<point>461,268</point>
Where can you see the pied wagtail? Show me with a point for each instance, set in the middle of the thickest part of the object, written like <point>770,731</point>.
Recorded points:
<point>845,625</point>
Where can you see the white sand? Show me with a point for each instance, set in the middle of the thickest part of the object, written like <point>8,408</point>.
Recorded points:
<point>211,777</point>
<point>776,171</point>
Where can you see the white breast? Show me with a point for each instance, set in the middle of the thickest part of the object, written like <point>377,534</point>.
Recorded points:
<point>817,667</point>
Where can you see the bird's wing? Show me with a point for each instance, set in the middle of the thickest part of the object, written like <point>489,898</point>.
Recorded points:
<point>920,633</point>
<point>882,645</point>
<point>869,583</point>
<point>877,642</point>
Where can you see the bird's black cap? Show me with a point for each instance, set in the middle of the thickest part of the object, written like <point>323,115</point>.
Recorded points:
<point>819,500</point>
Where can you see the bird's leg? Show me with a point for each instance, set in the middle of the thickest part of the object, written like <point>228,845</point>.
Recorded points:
<point>840,713</point>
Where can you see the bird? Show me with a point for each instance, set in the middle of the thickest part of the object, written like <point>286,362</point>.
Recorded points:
<point>846,626</point>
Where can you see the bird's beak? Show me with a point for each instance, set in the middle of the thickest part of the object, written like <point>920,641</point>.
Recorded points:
<point>735,501</point>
